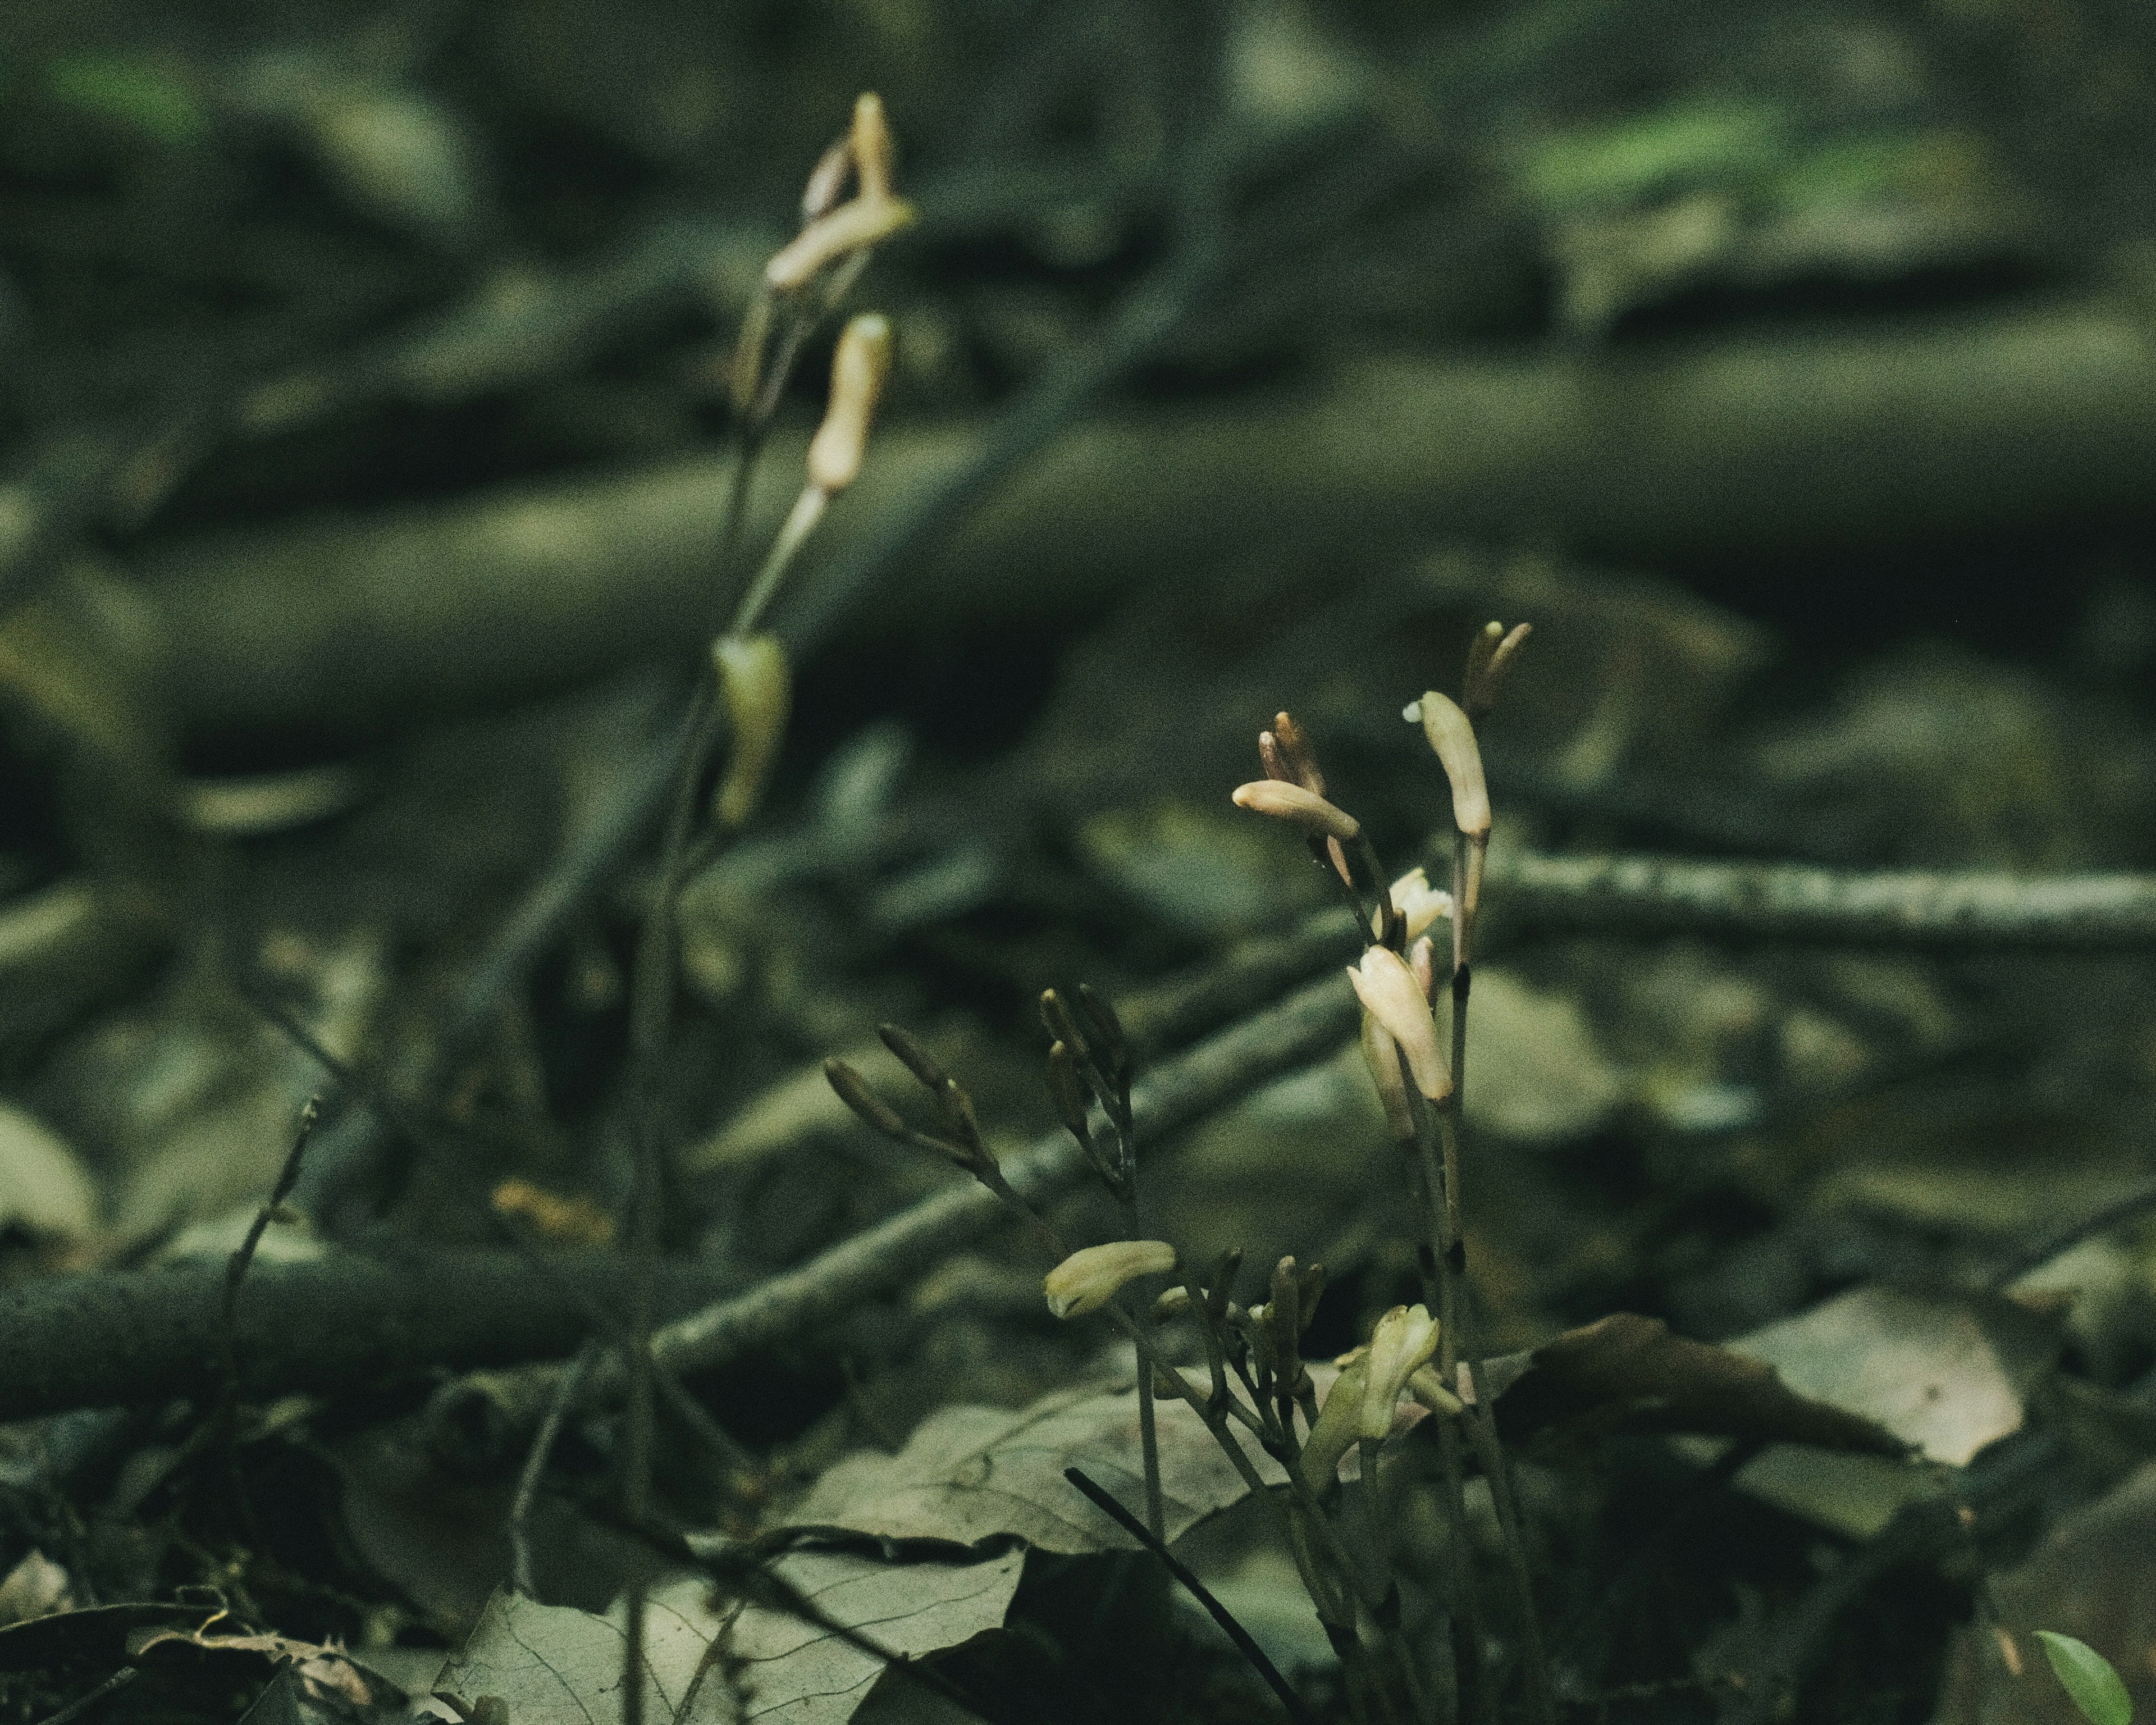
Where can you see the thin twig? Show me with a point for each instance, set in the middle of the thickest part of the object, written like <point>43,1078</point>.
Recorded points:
<point>1199,1591</point>
<point>235,1270</point>
<point>83,1703</point>
<point>535,1469</point>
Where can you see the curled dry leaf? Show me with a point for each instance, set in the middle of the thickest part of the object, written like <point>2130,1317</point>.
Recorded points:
<point>556,1662</point>
<point>1946,1375</point>
<point>1630,1371</point>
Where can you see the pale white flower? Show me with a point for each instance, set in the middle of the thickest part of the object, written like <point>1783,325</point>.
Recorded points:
<point>1087,1279</point>
<point>1404,1339</point>
<point>1390,994</point>
<point>1451,736</point>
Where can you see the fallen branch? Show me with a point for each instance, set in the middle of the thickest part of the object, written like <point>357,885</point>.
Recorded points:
<point>1308,1025</point>
<point>1784,901</point>
<point>336,1323</point>
<point>1815,437</point>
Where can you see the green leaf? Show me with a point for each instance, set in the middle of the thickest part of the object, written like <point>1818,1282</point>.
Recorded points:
<point>2089,1679</point>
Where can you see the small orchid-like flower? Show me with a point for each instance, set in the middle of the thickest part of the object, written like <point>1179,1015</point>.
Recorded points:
<point>1451,736</point>
<point>1418,902</point>
<point>1088,1279</point>
<point>1390,994</point>
<point>1404,1339</point>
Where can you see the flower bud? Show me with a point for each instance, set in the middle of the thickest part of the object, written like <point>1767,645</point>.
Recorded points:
<point>1297,754</point>
<point>852,227</point>
<point>1390,994</point>
<point>1489,657</point>
<point>858,370</point>
<point>1426,1387</point>
<point>756,686</point>
<point>1422,965</point>
<point>870,143</point>
<point>1452,739</point>
<point>853,1089</point>
<point>1284,801</point>
<point>827,181</point>
<point>1087,1279</point>
<point>1404,1339</point>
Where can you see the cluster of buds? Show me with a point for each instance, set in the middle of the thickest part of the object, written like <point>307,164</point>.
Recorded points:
<point>1089,1066</point>
<point>958,1137</point>
<point>815,270</point>
<point>1363,1406</point>
<point>805,279</point>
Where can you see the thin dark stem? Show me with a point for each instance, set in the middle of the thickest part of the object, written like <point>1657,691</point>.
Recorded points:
<point>83,1703</point>
<point>535,1469</point>
<point>235,1271</point>
<point>1199,1591</point>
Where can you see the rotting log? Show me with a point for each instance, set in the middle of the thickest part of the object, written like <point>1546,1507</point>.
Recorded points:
<point>1820,436</point>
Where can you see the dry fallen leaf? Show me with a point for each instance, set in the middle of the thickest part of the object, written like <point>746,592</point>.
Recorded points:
<point>971,1473</point>
<point>1625,1370</point>
<point>554,1662</point>
<point>1945,1374</point>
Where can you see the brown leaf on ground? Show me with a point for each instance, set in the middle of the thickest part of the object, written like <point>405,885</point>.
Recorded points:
<point>1629,1371</point>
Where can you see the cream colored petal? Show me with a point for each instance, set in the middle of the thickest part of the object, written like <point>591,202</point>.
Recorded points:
<point>1452,737</point>
<point>1291,802</point>
<point>1389,994</point>
<point>1087,1279</point>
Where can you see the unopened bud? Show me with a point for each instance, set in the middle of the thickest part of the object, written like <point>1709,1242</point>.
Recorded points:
<point>914,1057</point>
<point>1452,739</point>
<point>1174,1302</point>
<point>1404,1339</point>
<point>756,686</point>
<point>827,181</point>
<point>852,227</point>
<point>1271,758</point>
<point>1338,1422</point>
<point>1390,994</point>
<point>1100,1018</point>
<point>1286,801</point>
<point>1067,1090</point>
<point>853,1089</point>
<point>858,370</point>
<point>1489,657</point>
<point>1087,1279</point>
<point>1295,752</point>
<point>871,141</point>
<point>1422,965</point>
<point>1426,1387</point>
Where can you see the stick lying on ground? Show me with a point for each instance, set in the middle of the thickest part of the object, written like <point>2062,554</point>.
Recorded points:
<point>332,1324</point>
<point>147,1336</point>
<point>344,626</point>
